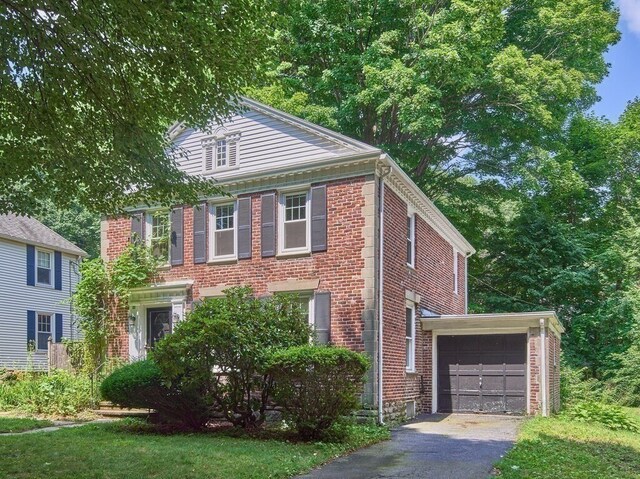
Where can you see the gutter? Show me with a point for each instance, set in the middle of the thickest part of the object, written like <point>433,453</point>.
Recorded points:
<point>384,172</point>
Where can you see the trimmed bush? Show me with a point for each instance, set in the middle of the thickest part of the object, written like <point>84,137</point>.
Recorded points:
<point>316,385</point>
<point>218,353</point>
<point>140,385</point>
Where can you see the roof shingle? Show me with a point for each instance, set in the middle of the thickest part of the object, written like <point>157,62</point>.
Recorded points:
<point>29,230</point>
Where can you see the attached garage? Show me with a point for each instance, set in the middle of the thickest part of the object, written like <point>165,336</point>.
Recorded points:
<point>495,363</point>
<point>482,373</point>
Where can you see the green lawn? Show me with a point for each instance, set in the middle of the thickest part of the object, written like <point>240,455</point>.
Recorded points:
<point>105,451</point>
<point>14,424</point>
<point>564,449</point>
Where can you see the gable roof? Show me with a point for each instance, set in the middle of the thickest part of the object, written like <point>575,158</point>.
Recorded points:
<point>25,229</point>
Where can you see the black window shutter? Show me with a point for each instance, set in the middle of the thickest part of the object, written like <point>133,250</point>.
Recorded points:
<point>31,265</point>
<point>31,326</point>
<point>57,266</point>
<point>58,338</point>
<point>200,233</point>
<point>319,218</point>
<point>177,237</point>
<point>137,228</point>
<point>322,317</point>
<point>244,228</point>
<point>268,225</point>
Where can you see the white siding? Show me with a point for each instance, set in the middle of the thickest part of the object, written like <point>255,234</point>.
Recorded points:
<point>265,143</point>
<point>16,298</point>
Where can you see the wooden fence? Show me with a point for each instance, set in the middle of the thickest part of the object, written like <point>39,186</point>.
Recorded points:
<point>58,356</point>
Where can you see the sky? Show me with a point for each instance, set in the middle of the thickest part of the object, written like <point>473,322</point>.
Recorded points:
<point>623,82</point>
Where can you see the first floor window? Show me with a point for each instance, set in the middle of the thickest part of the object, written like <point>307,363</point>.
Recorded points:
<point>160,232</point>
<point>44,331</point>
<point>43,270</point>
<point>410,337</point>
<point>224,238</point>
<point>295,222</point>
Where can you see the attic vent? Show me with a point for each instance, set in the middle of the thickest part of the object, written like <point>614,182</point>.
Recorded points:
<point>220,152</point>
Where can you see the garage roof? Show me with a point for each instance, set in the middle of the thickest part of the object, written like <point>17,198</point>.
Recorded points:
<point>492,321</point>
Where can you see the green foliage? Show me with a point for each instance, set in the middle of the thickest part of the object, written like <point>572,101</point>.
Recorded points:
<point>431,82</point>
<point>89,89</point>
<point>57,393</point>
<point>608,415</point>
<point>316,385</point>
<point>75,223</point>
<point>102,289</point>
<point>141,385</point>
<point>626,378</point>
<point>219,351</point>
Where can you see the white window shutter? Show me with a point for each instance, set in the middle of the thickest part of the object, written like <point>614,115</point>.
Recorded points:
<point>207,154</point>
<point>232,152</point>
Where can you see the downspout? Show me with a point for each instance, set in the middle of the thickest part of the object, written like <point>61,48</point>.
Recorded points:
<point>543,365</point>
<point>383,174</point>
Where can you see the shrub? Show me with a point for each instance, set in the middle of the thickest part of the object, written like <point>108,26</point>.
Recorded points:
<point>626,378</point>
<point>316,385</point>
<point>56,393</point>
<point>218,353</point>
<point>608,415</point>
<point>140,385</point>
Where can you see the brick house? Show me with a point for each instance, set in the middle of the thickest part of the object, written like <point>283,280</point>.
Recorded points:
<point>376,265</point>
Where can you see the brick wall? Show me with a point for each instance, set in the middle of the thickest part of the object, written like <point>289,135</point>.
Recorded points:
<point>341,269</point>
<point>432,279</point>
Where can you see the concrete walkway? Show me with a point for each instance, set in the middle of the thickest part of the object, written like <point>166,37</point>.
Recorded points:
<point>438,446</point>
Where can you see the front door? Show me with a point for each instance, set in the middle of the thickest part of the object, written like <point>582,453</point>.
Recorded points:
<point>158,324</point>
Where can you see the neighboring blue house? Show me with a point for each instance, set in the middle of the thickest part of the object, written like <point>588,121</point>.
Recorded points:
<point>38,273</point>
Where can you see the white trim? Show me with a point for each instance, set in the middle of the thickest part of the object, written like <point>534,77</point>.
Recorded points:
<point>456,276</point>
<point>411,367</point>
<point>212,236</point>
<point>493,321</point>
<point>52,333</point>
<point>411,215</point>
<point>281,222</point>
<point>148,230</point>
<point>52,267</point>
<point>474,332</point>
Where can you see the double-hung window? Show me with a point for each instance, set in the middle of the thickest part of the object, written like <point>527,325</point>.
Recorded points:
<point>159,234</point>
<point>44,331</point>
<point>455,271</point>
<point>410,324</point>
<point>44,268</point>
<point>221,153</point>
<point>411,239</point>
<point>223,231</point>
<point>294,222</point>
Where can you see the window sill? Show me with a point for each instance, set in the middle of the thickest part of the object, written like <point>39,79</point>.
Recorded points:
<point>43,285</point>
<point>223,261</point>
<point>164,267</point>
<point>293,254</point>
<point>411,371</point>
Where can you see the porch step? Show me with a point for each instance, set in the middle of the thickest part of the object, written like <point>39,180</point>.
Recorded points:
<point>108,409</point>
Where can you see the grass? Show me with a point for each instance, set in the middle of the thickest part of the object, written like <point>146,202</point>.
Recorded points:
<point>561,448</point>
<point>16,424</point>
<point>109,451</point>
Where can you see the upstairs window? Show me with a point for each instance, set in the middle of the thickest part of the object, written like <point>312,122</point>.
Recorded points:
<point>455,271</point>
<point>159,228</point>
<point>411,240</point>
<point>410,337</point>
<point>44,331</point>
<point>223,244</point>
<point>220,152</point>
<point>294,223</point>
<point>44,268</point>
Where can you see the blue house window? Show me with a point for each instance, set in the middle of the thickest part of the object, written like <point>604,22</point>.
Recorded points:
<point>44,268</point>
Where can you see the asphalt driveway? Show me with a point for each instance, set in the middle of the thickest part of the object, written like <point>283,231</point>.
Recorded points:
<point>437,446</point>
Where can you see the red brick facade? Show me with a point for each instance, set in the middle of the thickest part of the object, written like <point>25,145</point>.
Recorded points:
<point>431,279</point>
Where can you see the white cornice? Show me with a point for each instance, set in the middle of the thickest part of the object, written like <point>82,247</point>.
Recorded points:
<point>404,186</point>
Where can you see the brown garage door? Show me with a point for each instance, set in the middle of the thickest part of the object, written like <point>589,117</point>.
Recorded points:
<point>482,373</point>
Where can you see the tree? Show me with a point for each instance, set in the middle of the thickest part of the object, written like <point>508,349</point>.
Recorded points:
<point>76,223</point>
<point>89,89</point>
<point>447,88</point>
